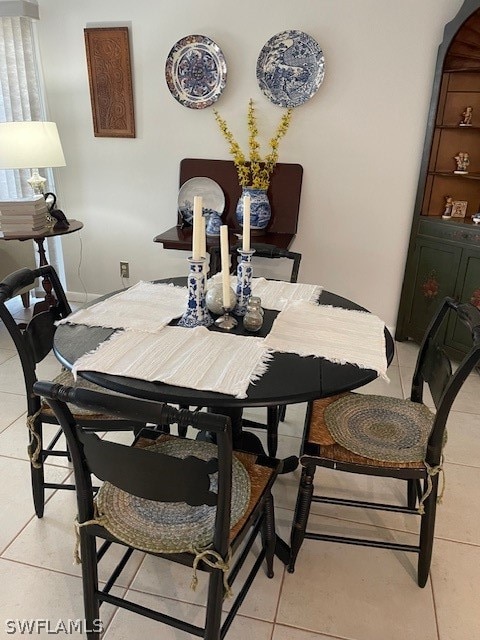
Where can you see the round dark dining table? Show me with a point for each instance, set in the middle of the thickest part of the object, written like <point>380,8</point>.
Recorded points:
<point>289,378</point>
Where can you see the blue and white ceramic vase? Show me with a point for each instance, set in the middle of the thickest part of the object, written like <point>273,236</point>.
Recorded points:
<point>260,211</point>
<point>244,281</point>
<point>197,314</point>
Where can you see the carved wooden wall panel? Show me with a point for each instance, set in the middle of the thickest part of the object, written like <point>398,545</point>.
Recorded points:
<point>110,77</point>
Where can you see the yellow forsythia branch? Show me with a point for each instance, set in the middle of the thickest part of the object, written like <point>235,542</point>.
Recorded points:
<point>252,174</point>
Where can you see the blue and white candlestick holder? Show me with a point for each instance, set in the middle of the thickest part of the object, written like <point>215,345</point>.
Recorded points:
<point>197,314</point>
<point>244,281</point>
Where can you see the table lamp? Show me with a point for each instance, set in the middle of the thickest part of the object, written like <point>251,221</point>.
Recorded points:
<point>29,145</point>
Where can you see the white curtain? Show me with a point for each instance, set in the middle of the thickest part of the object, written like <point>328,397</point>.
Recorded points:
<point>20,97</point>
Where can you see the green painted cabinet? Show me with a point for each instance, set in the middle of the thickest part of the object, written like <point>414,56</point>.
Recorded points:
<point>445,261</point>
<point>467,290</point>
<point>444,251</point>
<point>434,271</point>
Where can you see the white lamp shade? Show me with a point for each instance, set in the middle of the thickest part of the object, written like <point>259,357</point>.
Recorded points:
<point>25,145</point>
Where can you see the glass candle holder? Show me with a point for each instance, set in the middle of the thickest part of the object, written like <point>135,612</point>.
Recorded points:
<point>197,314</point>
<point>244,281</point>
<point>253,319</point>
<point>226,321</point>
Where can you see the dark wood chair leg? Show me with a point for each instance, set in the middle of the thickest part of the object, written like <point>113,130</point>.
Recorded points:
<point>273,414</point>
<point>88,554</point>
<point>282,412</point>
<point>38,490</point>
<point>427,528</point>
<point>25,299</point>
<point>37,470</point>
<point>268,535</point>
<point>411,493</point>
<point>213,616</point>
<point>302,511</point>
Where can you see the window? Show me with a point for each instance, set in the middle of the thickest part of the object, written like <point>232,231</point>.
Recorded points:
<point>21,98</point>
<point>20,94</point>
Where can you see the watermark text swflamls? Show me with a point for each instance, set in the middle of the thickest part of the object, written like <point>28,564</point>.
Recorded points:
<point>40,626</point>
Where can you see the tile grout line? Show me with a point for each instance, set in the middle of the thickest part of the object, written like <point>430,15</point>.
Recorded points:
<point>51,570</point>
<point>12,540</point>
<point>13,421</point>
<point>32,519</point>
<point>46,464</point>
<point>384,528</point>
<point>315,633</point>
<point>280,591</point>
<point>434,606</point>
<point>36,566</point>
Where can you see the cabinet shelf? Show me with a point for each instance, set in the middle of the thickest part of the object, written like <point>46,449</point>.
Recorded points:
<point>451,174</point>
<point>457,127</point>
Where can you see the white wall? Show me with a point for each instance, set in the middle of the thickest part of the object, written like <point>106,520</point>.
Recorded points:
<point>359,139</point>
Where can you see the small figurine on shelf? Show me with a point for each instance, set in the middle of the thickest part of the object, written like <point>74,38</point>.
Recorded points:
<point>463,160</point>
<point>467,117</point>
<point>459,208</point>
<point>448,207</point>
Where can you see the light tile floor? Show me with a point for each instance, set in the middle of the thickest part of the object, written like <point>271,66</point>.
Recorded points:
<point>337,591</point>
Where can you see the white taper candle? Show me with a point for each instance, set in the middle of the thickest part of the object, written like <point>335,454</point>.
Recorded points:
<point>197,228</point>
<point>203,237</point>
<point>225,261</point>
<point>246,223</point>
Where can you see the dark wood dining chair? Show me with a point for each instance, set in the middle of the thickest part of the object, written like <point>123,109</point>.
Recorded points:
<point>262,250</point>
<point>15,254</point>
<point>151,490</point>
<point>33,342</point>
<point>390,437</point>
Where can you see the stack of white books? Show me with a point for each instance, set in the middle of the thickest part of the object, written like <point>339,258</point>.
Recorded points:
<point>23,216</point>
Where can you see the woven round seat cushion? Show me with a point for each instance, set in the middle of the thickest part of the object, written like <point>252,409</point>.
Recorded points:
<point>66,379</point>
<point>170,527</point>
<point>381,428</point>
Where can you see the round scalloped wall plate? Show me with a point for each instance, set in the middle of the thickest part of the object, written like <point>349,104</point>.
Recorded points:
<point>290,68</point>
<point>196,71</point>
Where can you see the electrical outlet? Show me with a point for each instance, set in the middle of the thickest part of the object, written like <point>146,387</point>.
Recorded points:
<point>124,269</point>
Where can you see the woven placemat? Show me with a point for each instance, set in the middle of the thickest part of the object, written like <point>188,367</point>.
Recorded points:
<point>172,527</point>
<point>381,428</point>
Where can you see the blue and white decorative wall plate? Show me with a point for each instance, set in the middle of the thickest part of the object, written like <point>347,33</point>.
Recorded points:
<point>196,71</point>
<point>290,68</point>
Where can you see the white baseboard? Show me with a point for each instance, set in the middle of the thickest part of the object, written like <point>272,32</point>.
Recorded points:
<point>81,296</point>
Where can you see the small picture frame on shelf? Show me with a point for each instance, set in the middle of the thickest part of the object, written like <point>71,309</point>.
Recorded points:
<point>459,208</point>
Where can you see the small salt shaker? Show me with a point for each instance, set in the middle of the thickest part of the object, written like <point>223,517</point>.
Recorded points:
<point>253,319</point>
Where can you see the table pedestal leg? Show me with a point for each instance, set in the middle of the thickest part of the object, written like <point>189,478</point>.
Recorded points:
<point>242,440</point>
<point>50,299</point>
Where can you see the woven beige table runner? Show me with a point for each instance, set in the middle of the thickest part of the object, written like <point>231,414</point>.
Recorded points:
<point>193,358</point>
<point>339,335</point>
<point>144,307</point>
<point>276,294</point>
